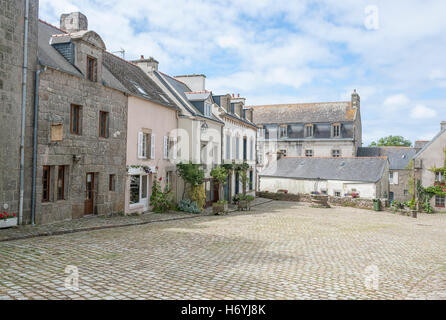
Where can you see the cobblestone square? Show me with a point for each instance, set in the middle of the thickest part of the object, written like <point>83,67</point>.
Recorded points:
<point>280,250</point>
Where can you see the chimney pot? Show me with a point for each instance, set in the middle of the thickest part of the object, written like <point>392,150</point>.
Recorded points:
<point>443,125</point>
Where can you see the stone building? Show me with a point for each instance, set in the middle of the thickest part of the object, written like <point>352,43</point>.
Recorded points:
<point>239,142</point>
<point>336,177</point>
<point>82,125</point>
<point>331,129</point>
<point>430,167</point>
<point>12,46</point>
<point>399,170</point>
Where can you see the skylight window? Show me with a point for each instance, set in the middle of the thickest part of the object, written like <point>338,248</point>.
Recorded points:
<point>141,90</point>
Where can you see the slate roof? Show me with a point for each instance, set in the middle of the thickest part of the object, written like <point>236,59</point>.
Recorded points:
<point>323,112</point>
<point>345,169</point>
<point>430,142</point>
<point>197,96</point>
<point>399,157</point>
<point>136,81</point>
<point>181,90</point>
<point>50,57</point>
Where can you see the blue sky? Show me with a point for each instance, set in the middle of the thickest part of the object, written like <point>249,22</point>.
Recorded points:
<point>273,51</point>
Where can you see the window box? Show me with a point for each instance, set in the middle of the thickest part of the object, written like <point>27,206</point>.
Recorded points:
<point>11,222</point>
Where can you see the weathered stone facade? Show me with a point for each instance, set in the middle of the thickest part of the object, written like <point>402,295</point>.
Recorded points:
<point>102,156</point>
<point>11,76</point>
<point>86,165</point>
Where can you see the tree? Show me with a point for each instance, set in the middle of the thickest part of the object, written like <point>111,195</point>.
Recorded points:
<point>193,175</point>
<point>242,169</point>
<point>220,174</point>
<point>390,141</point>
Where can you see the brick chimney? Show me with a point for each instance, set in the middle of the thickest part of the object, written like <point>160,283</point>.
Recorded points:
<point>73,22</point>
<point>147,65</point>
<point>356,100</point>
<point>443,125</point>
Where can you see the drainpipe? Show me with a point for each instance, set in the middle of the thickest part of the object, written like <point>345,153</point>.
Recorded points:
<point>36,127</point>
<point>24,89</point>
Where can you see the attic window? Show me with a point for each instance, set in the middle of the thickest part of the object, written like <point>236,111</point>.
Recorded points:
<point>140,90</point>
<point>207,109</point>
<point>336,130</point>
<point>283,131</point>
<point>92,66</point>
<point>309,130</point>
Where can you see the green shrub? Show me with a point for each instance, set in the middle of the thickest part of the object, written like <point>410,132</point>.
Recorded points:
<point>198,194</point>
<point>160,200</point>
<point>188,206</point>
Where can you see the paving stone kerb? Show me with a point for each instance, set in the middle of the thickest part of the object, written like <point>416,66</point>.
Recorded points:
<point>280,250</point>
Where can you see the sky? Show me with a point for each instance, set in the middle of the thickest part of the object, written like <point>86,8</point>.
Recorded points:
<point>272,51</point>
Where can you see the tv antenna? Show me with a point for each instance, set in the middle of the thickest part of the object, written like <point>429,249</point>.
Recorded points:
<point>121,53</point>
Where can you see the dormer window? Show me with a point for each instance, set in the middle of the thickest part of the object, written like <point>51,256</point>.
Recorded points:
<point>207,109</point>
<point>92,68</point>
<point>336,130</point>
<point>283,131</point>
<point>309,130</point>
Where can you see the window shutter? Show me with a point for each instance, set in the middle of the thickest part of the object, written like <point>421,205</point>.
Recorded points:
<point>140,145</point>
<point>174,149</point>
<point>165,147</point>
<point>395,178</point>
<point>152,146</point>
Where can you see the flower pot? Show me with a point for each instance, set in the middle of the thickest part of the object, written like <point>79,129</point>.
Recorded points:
<point>243,205</point>
<point>414,213</point>
<point>12,222</point>
<point>218,208</point>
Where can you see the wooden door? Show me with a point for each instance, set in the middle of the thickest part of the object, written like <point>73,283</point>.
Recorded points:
<point>216,188</point>
<point>90,194</point>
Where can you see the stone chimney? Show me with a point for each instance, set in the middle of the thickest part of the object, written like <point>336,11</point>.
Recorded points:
<point>196,82</point>
<point>73,22</point>
<point>147,65</point>
<point>356,100</point>
<point>443,125</point>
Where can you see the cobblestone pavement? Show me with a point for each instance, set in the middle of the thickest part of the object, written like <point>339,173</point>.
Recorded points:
<point>280,250</point>
<point>101,222</point>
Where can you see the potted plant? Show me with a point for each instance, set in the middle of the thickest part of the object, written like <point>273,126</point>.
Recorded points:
<point>221,206</point>
<point>7,220</point>
<point>243,201</point>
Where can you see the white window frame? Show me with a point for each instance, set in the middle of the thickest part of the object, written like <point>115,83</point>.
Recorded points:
<point>439,177</point>
<point>311,128</point>
<point>336,130</point>
<point>283,131</point>
<point>228,147</point>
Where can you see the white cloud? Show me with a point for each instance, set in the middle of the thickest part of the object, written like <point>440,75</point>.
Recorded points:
<point>422,112</point>
<point>287,50</point>
<point>396,100</point>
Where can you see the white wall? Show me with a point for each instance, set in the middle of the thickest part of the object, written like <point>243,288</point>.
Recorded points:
<point>295,186</point>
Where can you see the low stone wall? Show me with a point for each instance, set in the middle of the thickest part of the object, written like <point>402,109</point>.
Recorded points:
<point>337,201</point>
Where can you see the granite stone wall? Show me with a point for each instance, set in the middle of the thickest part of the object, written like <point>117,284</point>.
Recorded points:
<point>102,156</point>
<point>11,69</point>
<point>339,201</point>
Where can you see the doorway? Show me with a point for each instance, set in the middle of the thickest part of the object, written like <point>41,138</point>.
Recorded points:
<point>237,183</point>
<point>90,194</point>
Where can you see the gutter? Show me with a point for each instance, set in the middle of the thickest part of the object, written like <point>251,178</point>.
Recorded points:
<point>35,132</point>
<point>24,89</point>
